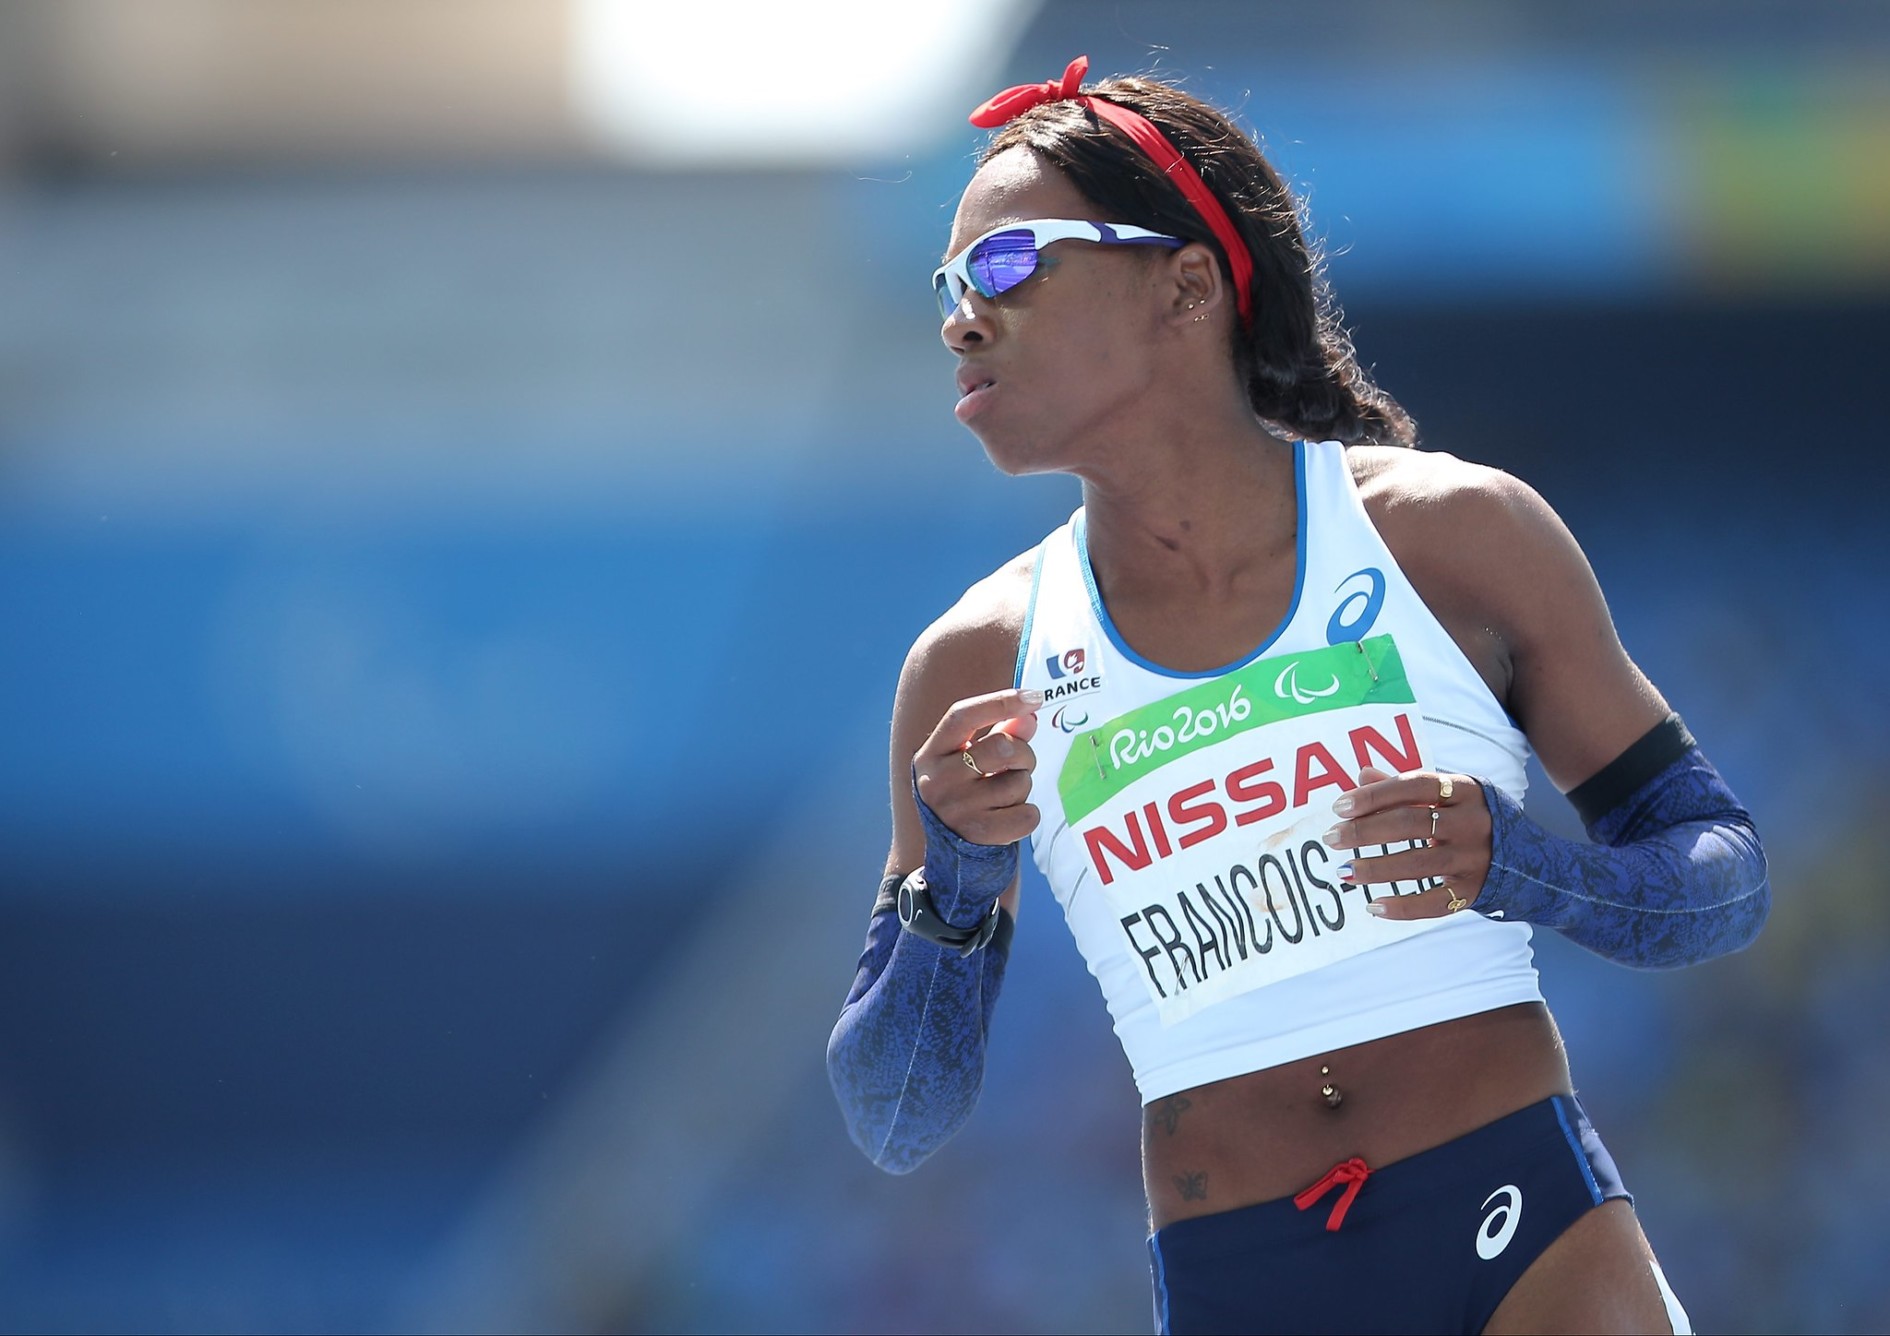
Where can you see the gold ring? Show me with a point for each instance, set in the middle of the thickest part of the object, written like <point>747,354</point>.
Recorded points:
<point>1434,815</point>
<point>1445,788</point>
<point>972,765</point>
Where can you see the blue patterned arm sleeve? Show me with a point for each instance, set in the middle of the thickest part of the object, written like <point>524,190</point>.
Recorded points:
<point>907,1056</point>
<point>1676,874</point>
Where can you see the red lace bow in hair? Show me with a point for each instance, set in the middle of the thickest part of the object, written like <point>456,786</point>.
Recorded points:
<point>1014,102</point>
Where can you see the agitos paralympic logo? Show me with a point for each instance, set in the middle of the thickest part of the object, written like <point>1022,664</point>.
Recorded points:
<point>1069,718</point>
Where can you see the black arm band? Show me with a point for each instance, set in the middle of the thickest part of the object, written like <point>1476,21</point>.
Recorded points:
<point>1612,785</point>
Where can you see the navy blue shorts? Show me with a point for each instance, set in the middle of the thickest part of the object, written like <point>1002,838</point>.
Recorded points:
<point>1428,1244</point>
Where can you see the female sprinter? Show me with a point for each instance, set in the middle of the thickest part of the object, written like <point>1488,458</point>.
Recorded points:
<point>1261,709</point>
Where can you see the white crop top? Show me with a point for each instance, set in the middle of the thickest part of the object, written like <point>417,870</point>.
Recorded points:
<point>1183,813</point>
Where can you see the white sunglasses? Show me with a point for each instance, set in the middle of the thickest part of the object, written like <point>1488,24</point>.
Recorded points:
<point>1005,256</point>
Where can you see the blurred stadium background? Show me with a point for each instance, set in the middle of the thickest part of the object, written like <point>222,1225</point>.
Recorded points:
<point>470,470</point>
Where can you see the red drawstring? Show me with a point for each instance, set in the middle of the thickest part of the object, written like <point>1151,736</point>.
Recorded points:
<point>1352,1173</point>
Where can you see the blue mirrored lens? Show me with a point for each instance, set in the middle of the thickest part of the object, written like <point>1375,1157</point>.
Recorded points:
<point>1001,262</point>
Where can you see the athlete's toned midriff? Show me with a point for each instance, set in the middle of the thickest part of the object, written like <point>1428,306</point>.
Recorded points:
<point>1269,1134</point>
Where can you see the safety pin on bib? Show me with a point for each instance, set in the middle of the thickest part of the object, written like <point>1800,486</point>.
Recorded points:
<point>1095,752</point>
<point>1368,659</point>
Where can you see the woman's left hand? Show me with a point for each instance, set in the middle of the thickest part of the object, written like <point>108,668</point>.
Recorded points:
<point>1442,816</point>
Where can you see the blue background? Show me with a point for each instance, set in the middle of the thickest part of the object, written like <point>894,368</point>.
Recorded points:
<point>451,616</point>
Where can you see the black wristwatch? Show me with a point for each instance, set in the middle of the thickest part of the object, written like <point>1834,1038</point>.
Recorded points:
<point>920,917</point>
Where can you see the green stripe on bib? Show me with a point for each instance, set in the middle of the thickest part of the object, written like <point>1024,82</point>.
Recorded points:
<point>1105,760</point>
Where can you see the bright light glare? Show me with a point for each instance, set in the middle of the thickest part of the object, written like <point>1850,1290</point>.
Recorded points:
<point>758,82</point>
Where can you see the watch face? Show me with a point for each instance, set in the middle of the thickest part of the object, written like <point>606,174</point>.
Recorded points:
<point>907,908</point>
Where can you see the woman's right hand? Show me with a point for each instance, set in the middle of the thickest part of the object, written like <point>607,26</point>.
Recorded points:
<point>988,804</point>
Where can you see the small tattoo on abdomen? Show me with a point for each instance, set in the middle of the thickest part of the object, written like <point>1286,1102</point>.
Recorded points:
<point>1168,1112</point>
<point>1193,1187</point>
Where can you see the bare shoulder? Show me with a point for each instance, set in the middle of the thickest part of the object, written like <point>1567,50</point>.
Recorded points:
<point>969,651</point>
<point>972,647</point>
<point>1467,533</point>
<point>1504,575</point>
<point>1433,488</point>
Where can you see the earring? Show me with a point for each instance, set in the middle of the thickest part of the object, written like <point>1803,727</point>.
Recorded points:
<point>1190,306</point>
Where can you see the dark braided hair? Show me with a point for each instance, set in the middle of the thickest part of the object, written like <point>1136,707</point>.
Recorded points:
<point>1297,361</point>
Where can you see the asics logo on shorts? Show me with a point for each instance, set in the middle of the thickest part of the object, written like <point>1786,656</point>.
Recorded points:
<point>1499,1226</point>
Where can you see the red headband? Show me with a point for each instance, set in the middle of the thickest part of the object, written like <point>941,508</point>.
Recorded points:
<point>1014,102</point>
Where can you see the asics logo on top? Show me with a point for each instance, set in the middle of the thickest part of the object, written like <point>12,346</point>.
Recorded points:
<point>1286,686</point>
<point>1356,612</point>
<point>1067,664</point>
<point>1499,1226</point>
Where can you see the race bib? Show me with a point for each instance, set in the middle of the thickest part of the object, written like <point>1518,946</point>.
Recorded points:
<point>1202,819</point>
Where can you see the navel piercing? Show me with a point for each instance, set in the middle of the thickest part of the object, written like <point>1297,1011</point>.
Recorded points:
<point>1330,1091</point>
